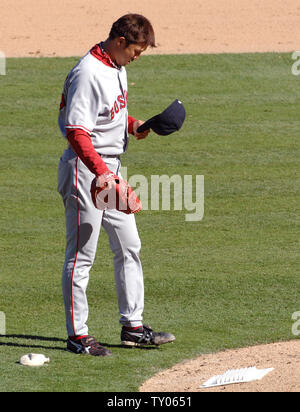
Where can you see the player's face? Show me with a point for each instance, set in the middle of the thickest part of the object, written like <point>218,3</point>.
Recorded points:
<point>129,53</point>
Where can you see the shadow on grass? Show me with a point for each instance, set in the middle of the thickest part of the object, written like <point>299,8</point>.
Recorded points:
<point>108,345</point>
<point>34,338</point>
<point>54,339</point>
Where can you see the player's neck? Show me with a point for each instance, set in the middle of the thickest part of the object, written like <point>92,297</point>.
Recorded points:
<point>109,47</point>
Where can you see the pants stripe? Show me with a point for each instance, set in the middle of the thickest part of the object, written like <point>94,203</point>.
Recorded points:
<point>77,246</point>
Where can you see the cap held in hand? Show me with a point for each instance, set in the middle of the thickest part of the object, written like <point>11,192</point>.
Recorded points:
<point>167,122</point>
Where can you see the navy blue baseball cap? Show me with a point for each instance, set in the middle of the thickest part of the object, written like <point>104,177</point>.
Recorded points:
<point>167,122</point>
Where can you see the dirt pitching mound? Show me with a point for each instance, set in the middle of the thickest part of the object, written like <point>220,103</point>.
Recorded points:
<point>189,376</point>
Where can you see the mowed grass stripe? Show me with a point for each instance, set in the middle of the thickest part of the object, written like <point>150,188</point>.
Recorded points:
<point>227,281</point>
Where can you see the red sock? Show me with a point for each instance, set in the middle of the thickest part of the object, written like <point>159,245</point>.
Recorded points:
<point>131,328</point>
<point>75,338</point>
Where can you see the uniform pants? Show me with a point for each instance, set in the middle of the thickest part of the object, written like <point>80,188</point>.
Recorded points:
<point>83,224</point>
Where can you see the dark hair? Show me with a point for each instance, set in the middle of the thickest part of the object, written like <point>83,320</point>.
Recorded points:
<point>135,28</point>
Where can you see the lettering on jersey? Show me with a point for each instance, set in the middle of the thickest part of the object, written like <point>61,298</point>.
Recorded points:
<point>119,104</point>
<point>116,107</point>
<point>122,102</point>
<point>112,114</point>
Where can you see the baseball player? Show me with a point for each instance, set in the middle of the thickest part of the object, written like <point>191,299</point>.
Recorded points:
<point>94,119</point>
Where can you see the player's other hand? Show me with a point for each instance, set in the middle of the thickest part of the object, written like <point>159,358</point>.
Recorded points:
<point>137,135</point>
<point>107,180</point>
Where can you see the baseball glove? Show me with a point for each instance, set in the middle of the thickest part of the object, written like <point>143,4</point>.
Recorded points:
<point>119,196</point>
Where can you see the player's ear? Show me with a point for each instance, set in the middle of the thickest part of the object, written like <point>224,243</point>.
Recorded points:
<point>122,42</point>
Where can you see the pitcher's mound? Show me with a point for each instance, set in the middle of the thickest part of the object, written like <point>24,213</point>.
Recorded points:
<point>189,376</point>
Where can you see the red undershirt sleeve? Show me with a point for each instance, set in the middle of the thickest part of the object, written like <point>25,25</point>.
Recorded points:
<point>83,147</point>
<point>131,121</point>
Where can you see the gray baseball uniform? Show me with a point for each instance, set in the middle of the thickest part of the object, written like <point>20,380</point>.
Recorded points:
<point>95,102</point>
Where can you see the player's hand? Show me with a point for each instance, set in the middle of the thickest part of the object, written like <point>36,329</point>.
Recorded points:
<point>108,191</point>
<point>111,185</point>
<point>107,180</point>
<point>139,136</point>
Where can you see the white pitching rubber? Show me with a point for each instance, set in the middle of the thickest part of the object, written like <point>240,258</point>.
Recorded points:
<point>237,376</point>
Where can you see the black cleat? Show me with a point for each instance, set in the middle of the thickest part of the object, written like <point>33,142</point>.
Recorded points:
<point>143,336</point>
<point>87,345</point>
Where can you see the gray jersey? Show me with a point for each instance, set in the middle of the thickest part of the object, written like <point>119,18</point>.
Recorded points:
<point>95,100</point>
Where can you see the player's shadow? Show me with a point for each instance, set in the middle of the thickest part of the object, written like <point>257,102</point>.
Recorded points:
<point>54,339</point>
<point>32,345</point>
<point>109,345</point>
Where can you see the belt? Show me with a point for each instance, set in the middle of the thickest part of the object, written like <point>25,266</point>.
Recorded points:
<point>110,156</point>
<point>100,154</point>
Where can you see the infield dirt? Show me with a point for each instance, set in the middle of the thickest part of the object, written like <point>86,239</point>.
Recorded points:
<point>71,27</point>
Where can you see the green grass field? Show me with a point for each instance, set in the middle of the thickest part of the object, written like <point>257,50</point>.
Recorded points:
<point>228,281</point>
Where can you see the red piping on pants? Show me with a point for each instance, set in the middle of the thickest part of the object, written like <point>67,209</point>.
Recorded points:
<point>77,245</point>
